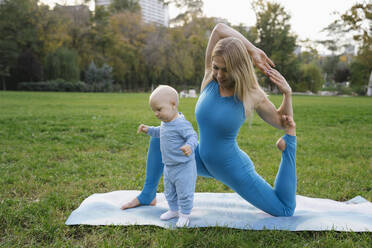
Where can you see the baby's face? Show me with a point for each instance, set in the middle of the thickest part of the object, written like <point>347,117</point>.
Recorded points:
<point>163,110</point>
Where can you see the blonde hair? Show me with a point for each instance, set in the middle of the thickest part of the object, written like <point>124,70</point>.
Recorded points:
<point>240,68</point>
<point>165,92</point>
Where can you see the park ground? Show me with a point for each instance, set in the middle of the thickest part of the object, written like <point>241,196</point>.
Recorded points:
<point>56,149</point>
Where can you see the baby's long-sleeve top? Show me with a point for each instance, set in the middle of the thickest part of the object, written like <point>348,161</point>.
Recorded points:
<point>173,135</point>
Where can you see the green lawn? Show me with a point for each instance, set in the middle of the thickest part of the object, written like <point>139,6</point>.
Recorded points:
<point>56,149</point>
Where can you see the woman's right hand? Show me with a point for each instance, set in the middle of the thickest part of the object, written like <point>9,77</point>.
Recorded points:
<point>261,60</point>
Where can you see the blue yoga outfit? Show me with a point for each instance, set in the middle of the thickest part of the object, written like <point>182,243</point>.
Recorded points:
<point>219,156</point>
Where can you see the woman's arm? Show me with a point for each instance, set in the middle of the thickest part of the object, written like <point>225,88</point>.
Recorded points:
<point>266,109</point>
<point>221,31</point>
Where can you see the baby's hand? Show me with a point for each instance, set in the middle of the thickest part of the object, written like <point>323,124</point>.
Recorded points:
<point>142,128</point>
<point>186,150</point>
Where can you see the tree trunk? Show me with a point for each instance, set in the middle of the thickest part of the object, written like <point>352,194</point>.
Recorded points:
<point>3,82</point>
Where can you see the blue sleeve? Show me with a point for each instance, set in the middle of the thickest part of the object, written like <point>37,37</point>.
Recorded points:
<point>154,132</point>
<point>190,135</point>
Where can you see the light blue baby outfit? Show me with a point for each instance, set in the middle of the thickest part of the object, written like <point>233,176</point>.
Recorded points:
<point>179,170</point>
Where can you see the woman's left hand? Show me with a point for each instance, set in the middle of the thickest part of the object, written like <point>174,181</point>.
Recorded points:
<point>279,81</point>
<point>261,60</point>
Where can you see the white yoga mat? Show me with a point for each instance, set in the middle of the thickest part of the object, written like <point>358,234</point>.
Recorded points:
<point>227,210</point>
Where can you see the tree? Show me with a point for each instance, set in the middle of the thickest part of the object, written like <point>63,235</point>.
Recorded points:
<point>18,33</point>
<point>342,73</point>
<point>99,79</point>
<point>248,32</point>
<point>100,37</point>
<point>311,78</point>
<point>179,60</point>
<point>78,23</point>
<point>28,67</point>
<point>197,33</point>
<point>328,65</point>
<point>155,52</point>
<point>53,30</point>
<point>125,55</point>
<point>193,9</point>
<point>118,6</point>
<point>275,38</point>
<point>357,21</point>
<point>63,64</point>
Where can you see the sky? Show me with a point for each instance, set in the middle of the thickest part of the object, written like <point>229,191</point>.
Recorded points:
<point>308,18</point>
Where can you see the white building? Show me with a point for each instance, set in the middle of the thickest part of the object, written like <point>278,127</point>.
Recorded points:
<point>102,2</point>
<point>153,11</point>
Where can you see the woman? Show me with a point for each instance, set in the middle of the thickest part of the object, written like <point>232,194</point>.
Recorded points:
<point>229,94</point>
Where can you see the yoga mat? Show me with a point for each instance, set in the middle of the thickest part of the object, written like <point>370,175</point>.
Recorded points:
<point>227,210</point>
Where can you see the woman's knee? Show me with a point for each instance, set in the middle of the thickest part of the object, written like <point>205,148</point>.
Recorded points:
<point>286,212</point>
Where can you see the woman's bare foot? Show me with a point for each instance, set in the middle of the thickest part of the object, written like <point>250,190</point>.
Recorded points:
<point>135,203</point>
<point>289,127</point>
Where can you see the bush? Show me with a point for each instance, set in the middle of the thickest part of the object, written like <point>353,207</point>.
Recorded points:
<point>360,89</point>
<point>99,79</point>
<point>54,85</point>
<point>300,87</point>
<point>342,90</point>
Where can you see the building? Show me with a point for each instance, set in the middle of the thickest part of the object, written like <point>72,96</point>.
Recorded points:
<point>152,11</point>
<point>78,14</point>
<point>102,2</point>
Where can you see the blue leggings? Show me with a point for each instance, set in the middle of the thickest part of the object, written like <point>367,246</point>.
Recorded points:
<point>277,201</point>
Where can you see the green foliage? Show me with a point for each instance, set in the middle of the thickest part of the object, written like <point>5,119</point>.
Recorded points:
<point>142,54</point>
<point>56,149</point>
<point>311,78</point>
<point>54,85</point>
<point>117,6</point>
<point>18,33</point>
<point>357,20</point>
<point>342,73</point>
<point>99,79</point>
<point>329,64</point>
<point>129,37</point>
<point>100,37</point>
<point>192,9</point>
<point>28,68</point>
<point>248,32</point>
<point>63,63</point>
<point>275,38</point>
<point>359,73</point>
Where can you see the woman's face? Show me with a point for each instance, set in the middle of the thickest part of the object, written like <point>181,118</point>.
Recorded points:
<point>220,73</point>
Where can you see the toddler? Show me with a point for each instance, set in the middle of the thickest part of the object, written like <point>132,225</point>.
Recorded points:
<point>178,141</point>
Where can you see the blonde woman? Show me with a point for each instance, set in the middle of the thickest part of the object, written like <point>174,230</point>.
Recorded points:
<point>230,93</point>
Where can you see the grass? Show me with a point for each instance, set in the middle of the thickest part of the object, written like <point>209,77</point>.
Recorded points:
<point>56,149</point>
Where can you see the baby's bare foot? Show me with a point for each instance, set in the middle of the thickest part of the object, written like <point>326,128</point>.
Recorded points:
<point>135,203</point>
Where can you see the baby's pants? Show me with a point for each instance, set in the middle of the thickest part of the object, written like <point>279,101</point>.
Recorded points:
<point>179,186</point>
